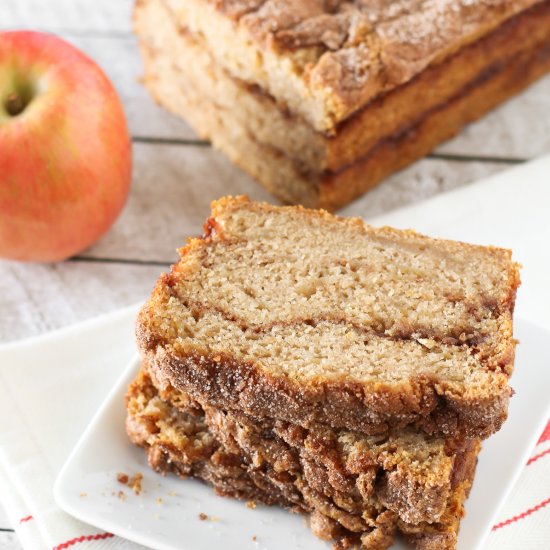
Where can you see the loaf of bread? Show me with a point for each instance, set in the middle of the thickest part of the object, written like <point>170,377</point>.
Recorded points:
<point>298,315</point>
<point>320,101</point>
<point>356,489</point>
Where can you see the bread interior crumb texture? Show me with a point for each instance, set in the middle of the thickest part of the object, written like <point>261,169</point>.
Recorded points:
<point>310,296</point>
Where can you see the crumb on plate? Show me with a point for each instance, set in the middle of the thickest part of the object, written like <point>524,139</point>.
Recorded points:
<point>135,483</point>
<point>122,478</point>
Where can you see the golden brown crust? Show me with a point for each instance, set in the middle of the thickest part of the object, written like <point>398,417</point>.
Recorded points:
<point>368,470</point>
<point>504,81</point>
<point>443,536</point>
<point>226,468</point>
<point>274,125</point>
<point>434,86</point>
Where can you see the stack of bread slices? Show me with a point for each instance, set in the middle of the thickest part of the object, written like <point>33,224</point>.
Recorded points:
<point>342,371</point>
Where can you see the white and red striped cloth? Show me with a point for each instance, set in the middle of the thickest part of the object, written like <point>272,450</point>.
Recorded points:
<point>524,521</point>
<point>48,394</point>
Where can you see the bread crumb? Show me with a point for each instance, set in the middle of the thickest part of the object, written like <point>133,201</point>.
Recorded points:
<point>254,538</point>
<point>121,495</point>
<point>203,516</point>
<point>135,483</point>
<point>83,495</point>
<point>122,478</point>
<point>250,504</point>
<point>214,518</point>
<point>158,501</point>
<point>173,494</point>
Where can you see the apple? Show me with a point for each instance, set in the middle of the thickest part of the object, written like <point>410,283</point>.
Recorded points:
<point>65,152</point>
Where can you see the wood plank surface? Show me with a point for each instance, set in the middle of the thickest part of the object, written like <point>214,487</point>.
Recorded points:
<point>79,16</point>
<point>168,205</point>
<point>39,298</point>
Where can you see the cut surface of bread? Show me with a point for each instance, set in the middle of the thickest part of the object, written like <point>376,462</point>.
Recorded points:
<point>299,315</point>
<point>339,479</point>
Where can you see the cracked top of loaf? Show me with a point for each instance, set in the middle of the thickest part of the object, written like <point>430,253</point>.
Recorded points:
<point>324,59</point>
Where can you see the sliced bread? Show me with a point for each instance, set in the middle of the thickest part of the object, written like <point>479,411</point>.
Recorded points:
<point>299,315</point>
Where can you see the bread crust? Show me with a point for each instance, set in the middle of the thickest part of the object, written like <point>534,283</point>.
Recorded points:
<point>402,489</point>
<point>272,124</point>
<point>425,536</point>
<point>239,386</point>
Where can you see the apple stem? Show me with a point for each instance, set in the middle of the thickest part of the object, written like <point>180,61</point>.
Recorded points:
<point>14,104</point>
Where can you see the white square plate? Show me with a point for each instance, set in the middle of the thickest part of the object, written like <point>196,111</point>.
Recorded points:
<point>165,514</point>
<point>509,209</point>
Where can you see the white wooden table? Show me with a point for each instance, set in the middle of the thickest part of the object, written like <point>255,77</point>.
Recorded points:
<point>174,172</point>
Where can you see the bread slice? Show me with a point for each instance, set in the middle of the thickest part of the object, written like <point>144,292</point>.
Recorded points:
<point>340,482</point>
<point>407,472</point>
<point>299,315</point>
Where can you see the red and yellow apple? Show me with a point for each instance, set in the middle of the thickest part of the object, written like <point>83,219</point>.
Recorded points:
<point>65,152</point>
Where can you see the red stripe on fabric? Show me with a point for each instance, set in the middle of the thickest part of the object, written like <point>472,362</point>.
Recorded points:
<point>522,515</point>
<point>545,434</point>
<point>83,538</point>
<point>27,518</point>
<point>536,457</point>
